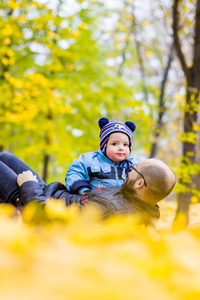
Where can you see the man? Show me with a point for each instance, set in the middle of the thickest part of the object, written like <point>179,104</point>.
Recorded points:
<point>150,182</point>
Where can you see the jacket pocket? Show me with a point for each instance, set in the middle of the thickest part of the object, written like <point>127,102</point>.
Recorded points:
<point>95,169</point>
<point>106,169</point>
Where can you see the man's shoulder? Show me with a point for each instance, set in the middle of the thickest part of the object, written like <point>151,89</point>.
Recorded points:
<point>105,199</point>
<point>111,196</point>
<point>105,192</point>
<point>112,201</point>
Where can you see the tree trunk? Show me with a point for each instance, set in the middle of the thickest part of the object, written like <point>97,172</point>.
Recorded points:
<point>192,99</point>
<point>45,170</point>
<point>189,155</point>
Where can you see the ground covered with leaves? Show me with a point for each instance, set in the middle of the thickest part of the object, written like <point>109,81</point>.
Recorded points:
<point>58,253</point>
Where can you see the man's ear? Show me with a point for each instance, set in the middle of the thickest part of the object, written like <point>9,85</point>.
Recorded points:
<point>139,183</point>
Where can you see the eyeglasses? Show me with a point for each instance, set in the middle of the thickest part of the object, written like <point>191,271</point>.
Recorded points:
<point>133,168</point>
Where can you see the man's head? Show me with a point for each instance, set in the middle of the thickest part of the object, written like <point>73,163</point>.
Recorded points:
<point>108,128</point>
<point>151,181</point>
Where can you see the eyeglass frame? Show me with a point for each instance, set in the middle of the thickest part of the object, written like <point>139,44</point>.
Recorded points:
<point>133,168</point>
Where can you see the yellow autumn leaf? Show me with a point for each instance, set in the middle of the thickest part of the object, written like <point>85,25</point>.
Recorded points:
<point>149,54</point>
<point>51,34</point>
<point>82,25</point>
<point>7,30</point>
<point>69,67</point>
<point>12,61</point>
<point>56,207</point>
<point>168,13</point>
<point>157,92</point>
<point>196,127</point>
<point>76,33</point>
<point>194,199</point>
<point>120,26</point>
<point>22,19</point>
<point>39,26</point>
<point>11,116</point>
<point>144,24</point>
<point>110,259</point>
<point>69,110</point>
<point>178,97</point>
<point>7,210</point>
<point>39,79</point>
<point>56,67</point>
<point>5,61</point>
<point>7,41</point>
<point>34,91</point>
<point>6,74</point>
<point>12,4</point>
<point>35,3</point>
<point>180,222</point>
<point>10,52</point>
<point>16,82</point>
<point>190,154</point>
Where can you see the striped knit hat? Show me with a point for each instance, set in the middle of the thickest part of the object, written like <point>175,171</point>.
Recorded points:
<point>107,128</point>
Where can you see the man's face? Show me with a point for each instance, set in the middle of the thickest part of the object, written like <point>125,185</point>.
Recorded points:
<point>133,175</point>
<point>138,172</point>
<point>132,178</point>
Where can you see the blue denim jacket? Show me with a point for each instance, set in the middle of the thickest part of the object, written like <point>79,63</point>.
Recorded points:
<point>93,169</point>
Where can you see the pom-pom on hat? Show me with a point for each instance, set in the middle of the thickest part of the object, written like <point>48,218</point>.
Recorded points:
<point>107,128</point>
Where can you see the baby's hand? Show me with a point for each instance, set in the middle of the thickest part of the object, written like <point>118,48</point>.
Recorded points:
<point>26,176</point>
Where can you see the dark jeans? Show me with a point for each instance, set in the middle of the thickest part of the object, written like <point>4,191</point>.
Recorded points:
<point>10,167</point>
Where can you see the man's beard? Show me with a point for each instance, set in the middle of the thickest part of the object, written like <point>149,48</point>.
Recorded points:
<point>128,186</point>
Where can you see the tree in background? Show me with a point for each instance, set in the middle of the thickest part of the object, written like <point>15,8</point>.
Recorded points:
<point>54,81</point>
<point>143,52</point>
<point>185,29</point>
<point>64,66</point>
<point>140,46</point>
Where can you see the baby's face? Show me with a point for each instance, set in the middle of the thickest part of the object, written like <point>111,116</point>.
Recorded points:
<point>117,148</point>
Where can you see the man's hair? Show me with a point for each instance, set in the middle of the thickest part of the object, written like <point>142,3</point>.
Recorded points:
<point>158,181</point>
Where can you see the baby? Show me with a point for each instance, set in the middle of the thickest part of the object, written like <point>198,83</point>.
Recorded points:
<point>107,167</point>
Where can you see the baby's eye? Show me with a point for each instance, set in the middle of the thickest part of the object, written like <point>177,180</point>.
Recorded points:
<point>126,145</point>
<point>114,144</point>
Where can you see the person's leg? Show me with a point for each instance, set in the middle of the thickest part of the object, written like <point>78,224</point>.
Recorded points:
<point>17,165</point>
<point>9,190</point>
<point>10,167</point>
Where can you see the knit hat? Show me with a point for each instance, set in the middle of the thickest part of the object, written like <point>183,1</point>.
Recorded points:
<point>107,128</point>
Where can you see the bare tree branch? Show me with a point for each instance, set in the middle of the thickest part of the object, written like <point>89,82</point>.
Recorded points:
<point>133,30</point>
<point>177,42</point>
<point>162,107</point>
<point>139,54</point>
